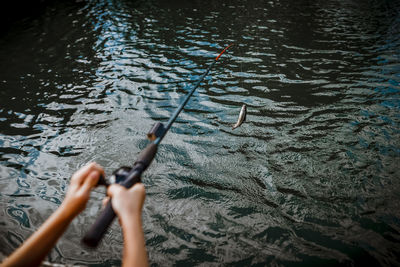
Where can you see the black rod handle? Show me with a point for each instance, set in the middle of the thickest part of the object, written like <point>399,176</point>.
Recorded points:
<point>107,215</point>
<point>100,226</point>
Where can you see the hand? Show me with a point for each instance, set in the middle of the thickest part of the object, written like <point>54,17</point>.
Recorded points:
<point>127,202</point>
<point>79,189</point>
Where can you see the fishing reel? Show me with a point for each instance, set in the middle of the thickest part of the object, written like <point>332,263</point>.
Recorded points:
<point>120,174</point>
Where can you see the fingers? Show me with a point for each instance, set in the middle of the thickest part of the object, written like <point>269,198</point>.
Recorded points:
<point>104,202</point>
<point>115,189</point>
<point>79,177</point>
<point>90,181</point>
<point>127,202</point>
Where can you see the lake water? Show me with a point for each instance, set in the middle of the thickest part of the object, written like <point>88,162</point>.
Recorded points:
<point>310,179</point>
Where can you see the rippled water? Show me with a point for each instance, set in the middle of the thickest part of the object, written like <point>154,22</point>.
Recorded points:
<point>311,178</point>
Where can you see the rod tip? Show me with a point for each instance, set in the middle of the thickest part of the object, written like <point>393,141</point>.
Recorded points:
<point>223,51</point>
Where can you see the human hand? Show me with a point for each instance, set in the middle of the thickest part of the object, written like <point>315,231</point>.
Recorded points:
<point>127,203</point>
<point>79,189</point>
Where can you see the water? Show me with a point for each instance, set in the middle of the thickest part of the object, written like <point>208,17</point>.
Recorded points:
<point>312,177</point>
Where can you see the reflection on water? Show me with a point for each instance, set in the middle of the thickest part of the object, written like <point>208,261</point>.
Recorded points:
<point>310,178</point>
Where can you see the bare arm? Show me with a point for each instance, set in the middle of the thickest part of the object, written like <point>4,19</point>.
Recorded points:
<point>37,246</point>
<point>128,204</point>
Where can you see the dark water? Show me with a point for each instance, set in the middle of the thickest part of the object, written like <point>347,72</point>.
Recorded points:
<point>312,177</point>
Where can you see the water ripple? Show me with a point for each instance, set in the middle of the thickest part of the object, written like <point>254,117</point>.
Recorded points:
<point>311,176</point>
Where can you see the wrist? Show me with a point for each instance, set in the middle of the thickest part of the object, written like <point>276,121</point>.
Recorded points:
<point>65,213</point>
<point>130,219</point>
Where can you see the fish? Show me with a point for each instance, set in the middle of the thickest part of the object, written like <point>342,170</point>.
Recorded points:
<point>242,117</point>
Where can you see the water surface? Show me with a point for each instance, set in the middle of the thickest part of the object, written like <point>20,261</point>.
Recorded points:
<point>311,178</point>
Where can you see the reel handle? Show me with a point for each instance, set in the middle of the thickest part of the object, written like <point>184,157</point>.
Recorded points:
<point>103,181</point>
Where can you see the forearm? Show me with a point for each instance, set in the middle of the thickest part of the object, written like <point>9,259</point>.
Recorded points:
<point>134,245</point>
<point>36,247</point>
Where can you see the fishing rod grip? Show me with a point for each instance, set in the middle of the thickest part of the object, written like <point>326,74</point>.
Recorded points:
<point>146,156</point>
<point>107,215</point>
<point>100,226</point>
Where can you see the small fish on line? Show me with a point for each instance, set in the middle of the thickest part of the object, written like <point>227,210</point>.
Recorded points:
<point>242,117</point>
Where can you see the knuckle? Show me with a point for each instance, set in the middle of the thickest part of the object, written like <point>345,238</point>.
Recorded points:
<point>140,188</point>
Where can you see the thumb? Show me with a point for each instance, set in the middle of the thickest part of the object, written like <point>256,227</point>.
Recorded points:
<point>139,190</point>
<point>138,194</point>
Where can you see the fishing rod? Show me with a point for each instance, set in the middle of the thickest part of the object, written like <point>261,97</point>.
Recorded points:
<point>128,176</point>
